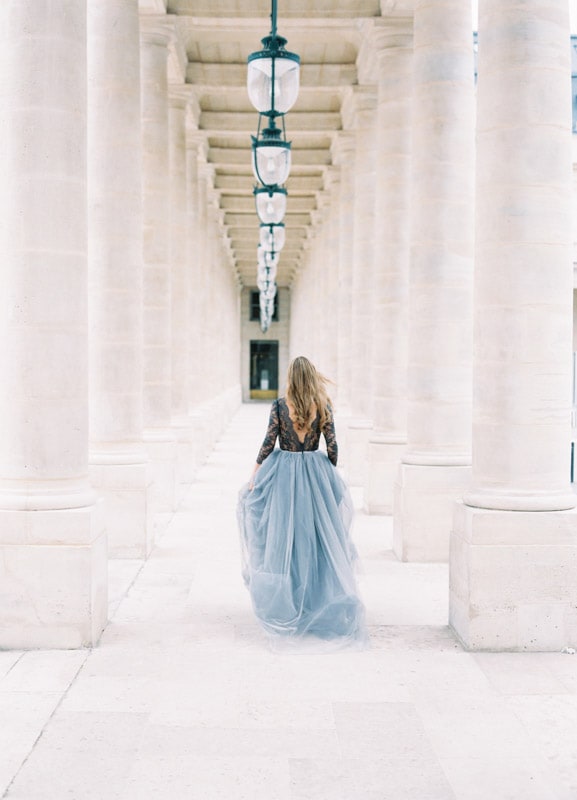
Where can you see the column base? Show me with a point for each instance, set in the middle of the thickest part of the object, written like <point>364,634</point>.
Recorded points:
<point>513,579</point>
<point>185,459</point>
<point>423,510</point>
<point>122,489</point>
<point>53,579</point>
<point>357,444</point>
<point>384,457</point>
<point>161,448</point>
<point>200,436</point>
<point>210,419</point>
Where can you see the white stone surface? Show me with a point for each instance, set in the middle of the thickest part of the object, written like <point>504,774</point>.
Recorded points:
<point>43,309</point>
<point>523,277</point>
<point>162,450</point>
<point>440,379</point>
<point>52,544</point>
<point>117,456</point>
<point>383,462</point>
<point>156,33</point>
<point>359,115</point>
<point>393,44</point>
<point>362,117</point>
<point>123,492</point>
<point>183,698</point>
<point>513,581</point>
<point>424,502</point>
<point>342,154</point>
<point>356,444</point>
<point>180,257</point>
<point>53,578</point>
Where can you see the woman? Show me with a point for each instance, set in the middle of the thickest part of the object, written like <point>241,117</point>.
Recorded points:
<point>294,519</point>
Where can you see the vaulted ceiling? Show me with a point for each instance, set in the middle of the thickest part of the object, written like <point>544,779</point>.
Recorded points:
<point>214,39</point>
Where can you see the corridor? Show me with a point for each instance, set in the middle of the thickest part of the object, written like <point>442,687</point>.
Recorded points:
<point>184,700</point>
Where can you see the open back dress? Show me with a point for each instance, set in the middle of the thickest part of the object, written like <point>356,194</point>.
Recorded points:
<point>297,554</point>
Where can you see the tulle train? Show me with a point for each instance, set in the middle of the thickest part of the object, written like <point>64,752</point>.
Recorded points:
<point>297,555</point>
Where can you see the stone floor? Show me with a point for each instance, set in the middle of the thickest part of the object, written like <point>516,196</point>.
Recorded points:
<point>184,700</point>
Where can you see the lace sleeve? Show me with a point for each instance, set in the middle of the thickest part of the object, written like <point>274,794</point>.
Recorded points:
<point>330,438</point>
<point>271,434</point>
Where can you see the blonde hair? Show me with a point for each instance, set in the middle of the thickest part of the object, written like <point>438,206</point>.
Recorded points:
<point>306,386</point>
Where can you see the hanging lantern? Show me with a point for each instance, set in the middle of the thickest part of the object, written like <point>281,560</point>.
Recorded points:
<point>267,258</point>
<point>263,273</point>
<point>266,272</point>
<point>272,237</point>
<point>273,77</point>
<point>273,80</point>
<point>266,303</point>
<point>270,204</point>
<point>265,284</point>
<point>271,156</point>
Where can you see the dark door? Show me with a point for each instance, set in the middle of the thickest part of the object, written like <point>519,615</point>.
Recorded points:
<point>263,370</point>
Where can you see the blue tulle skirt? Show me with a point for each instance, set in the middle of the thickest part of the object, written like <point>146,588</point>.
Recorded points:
<point>297,554</point>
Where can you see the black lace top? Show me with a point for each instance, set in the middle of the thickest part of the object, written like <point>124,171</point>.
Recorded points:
<point>280,424</point>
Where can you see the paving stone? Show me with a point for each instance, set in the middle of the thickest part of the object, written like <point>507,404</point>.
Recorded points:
<point>186,698</point>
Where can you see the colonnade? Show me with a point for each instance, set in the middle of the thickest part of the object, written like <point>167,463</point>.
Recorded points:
<point>455,404</point>
<point>436,289</point>
<point>119,309</point>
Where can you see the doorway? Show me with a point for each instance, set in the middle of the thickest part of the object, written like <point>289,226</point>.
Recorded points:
<point>263,370</point>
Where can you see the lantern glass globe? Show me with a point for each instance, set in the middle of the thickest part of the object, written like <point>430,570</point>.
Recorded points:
<point>271,162</point>
<point>273,80</point>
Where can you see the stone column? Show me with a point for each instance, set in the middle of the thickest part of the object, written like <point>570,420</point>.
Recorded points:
<point>332,273</point>
<point>199,337</point>
<point>212,331</point>
<point>313,274</point>
<point>117,456</point>
<point>205,177</point>
<point>436,464</point>
<point>364,119</point>
<point>194,276</point>
<point>327,263</point>
<point>388,439</point>
<point>53,568</point>
<point>298,345</point>
<point>514,545</point>
<point>156,33</point>
<point>179,97</point>
<point>342,152</point>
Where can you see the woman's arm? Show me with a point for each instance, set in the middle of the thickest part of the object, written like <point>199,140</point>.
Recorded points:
<point>253,476</point>
<point>269,440</point>
<point>330,438</point>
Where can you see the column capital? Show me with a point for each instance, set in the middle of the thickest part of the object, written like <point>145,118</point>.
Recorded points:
<point>319,214</point>
<point>206,171</point>
<point>343,147</point>
<point>332,176</point>
<point>183,96</point>
<point>180,95</point>
<point>390,36</point>
<point>367,55</point>
<point>196,140</point>
<point>359,106</point>
<point>156,29</point>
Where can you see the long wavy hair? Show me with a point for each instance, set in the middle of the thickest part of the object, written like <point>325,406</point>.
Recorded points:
<point>305,386</point>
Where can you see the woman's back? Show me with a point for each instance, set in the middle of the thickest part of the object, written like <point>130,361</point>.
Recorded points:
<point>295,438</point>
